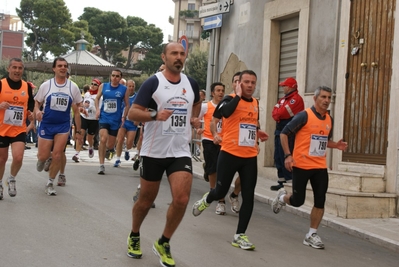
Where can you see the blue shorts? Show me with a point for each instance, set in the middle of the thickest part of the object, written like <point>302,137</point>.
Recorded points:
<point>114,122</point>
<point>129,126</point>
<point>48,131</point>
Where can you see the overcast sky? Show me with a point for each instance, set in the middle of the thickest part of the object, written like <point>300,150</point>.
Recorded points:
<point>153,11</point>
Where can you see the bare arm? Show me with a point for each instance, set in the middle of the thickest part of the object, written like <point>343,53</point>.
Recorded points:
<point>288,162</point>
<point>78,123</point>
<point>37,112</point>
<point>341,145</point>
<point>217,139</point>
<point>127,104</point>
<point>141,114</point>
<point>97,100</point>
<point>195,122</point>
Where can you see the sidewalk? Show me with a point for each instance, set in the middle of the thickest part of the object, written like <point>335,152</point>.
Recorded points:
<point>383,232</point>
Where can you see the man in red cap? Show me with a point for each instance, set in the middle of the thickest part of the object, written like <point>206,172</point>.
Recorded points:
<point>283,112</point>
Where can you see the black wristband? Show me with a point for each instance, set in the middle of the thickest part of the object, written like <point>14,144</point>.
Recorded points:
<point>287,155</point>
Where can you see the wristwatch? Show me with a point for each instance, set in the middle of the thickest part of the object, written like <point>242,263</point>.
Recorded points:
<point>78,131</point>
<point>153,114</point>
<point>287,155</point>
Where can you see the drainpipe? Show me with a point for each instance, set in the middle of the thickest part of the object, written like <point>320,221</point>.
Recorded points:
<point>178,23</point>
<point>210,70</point>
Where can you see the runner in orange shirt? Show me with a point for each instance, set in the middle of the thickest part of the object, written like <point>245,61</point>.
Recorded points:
<point>238,153</point>
<point>313,129</point>
<point>16,105</point>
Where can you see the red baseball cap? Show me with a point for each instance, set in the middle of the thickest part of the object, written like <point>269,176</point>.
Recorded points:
<point>290,82</point>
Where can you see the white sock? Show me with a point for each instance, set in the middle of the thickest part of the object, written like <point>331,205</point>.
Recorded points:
<point>118,158</point>
<point>281,198</point>
<point>50,181</point>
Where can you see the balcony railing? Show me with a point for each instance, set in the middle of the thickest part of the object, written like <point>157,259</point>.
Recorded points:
<point>189,14</point>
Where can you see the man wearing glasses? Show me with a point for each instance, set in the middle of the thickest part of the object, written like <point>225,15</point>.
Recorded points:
<point>111,115</point>
<point>88,118</point>
<point>57,95</point>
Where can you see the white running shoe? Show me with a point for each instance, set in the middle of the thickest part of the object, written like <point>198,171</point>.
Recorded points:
<point>101,170</point>
<point>277,204</point>
<point>49,189</point>
<point>241,241</point>
<point>313,241</point>
<point>235,204</point>
<point>91,152</point>
<point>12,188</point>
<point>61,180</point>
<point>47,164</point>
<point>200,205</point>
<point>220,208</point>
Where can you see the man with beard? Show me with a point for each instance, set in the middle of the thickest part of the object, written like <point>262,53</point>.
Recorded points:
<point>168,103</point>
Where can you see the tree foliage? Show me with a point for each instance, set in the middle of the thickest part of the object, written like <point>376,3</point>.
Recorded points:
<point>51,31</point>
<point>141,36</point>
<point>49,24</point>
<point>197,65</point>
<point>152,61</point>
<point>106,27</point>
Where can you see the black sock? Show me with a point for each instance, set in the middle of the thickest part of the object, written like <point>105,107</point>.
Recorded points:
<point>233,195</point>
<point>134,234</point>
<point>163,240</point>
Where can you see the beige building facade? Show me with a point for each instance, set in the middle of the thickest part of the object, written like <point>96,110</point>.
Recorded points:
<point>348,46</point>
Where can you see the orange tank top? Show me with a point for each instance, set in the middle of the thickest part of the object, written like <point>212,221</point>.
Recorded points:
<point>240,129</point>
<point>311,142</point>
<point>13,119</point>
<point>207,134</point>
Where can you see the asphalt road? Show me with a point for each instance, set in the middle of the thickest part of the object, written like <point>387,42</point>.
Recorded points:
<point>87,224</point>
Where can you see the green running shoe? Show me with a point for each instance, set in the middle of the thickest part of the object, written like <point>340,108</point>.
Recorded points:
<point>164,254</point>
<point>133,247</point>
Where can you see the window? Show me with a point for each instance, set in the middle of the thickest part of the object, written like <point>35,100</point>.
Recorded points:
<point>189,30</point>
<point>191,7</point>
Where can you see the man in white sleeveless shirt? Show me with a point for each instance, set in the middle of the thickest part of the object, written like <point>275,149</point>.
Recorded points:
<point>169,104</point>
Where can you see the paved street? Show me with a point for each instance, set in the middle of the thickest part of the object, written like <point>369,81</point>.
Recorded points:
<point>87,224</point>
